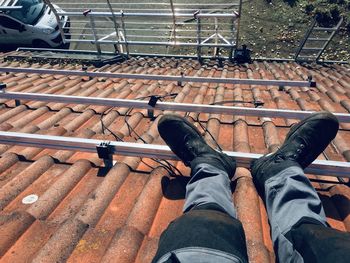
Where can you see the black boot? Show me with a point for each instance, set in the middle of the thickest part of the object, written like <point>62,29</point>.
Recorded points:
<point>305,141</point>
<point>186,142</point>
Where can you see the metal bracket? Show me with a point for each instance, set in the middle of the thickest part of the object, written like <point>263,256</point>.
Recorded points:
<point>2,87</point>
<point>179,82</point>
<point>258,103</point>
<point>312,83</point>
<point>152,102</point>
<point>104,152</point>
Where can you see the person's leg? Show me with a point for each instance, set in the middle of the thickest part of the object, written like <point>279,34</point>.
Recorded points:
<point>289,199</point>
<point>293,206</point>
<point>209,185</point>
<point>211,171</point>
<point>208,229</point>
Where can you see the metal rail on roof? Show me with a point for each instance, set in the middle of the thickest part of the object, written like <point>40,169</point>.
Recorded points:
<point>320,167</point>
<point>180,79</point>
<point>172,106</point>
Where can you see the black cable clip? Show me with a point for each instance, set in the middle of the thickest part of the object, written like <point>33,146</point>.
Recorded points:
<point>258,103</point>
<point>104,151</point>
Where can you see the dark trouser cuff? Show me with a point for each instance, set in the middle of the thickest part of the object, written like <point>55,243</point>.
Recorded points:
<point>211,160</point>
<point>279,167</point>
<point>270,172</point>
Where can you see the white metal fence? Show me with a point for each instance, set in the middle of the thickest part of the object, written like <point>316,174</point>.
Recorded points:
<point>163,27</point>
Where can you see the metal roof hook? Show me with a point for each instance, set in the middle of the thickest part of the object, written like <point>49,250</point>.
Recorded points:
<point>104,151</point>
<point>312,83</point>
<point>180,82</point>
<point>2,87</point>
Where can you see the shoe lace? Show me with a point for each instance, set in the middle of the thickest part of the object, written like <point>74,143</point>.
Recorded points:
<point>282,157</point>
<point>279,158</point>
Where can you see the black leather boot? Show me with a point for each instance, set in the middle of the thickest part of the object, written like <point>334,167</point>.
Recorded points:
<point>186,142</point>
<point>305,141</point>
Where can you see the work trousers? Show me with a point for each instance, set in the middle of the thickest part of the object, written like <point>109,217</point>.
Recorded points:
<point>209,231</point>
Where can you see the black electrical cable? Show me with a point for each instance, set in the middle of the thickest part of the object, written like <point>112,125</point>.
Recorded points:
<point>106,128</point>
<point>173,170</point>
<point>256,103</point>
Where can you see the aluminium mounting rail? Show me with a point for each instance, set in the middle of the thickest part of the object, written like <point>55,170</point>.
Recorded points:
<point>172,106</point>
<point>320,167</point>
<point>180,79</point>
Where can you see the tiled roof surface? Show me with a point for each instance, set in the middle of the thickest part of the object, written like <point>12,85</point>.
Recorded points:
<point>85,214</point>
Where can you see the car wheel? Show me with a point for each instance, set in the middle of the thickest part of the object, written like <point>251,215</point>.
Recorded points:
<point>64,46</point>
<point>40,44</point>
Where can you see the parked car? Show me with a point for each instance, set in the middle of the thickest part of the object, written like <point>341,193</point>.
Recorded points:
<point>31,23</point>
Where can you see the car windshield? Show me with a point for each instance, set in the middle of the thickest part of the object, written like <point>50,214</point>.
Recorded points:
<point>30,12</point>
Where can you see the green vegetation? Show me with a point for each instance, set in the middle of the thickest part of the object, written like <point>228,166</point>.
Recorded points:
<point>275,28</point>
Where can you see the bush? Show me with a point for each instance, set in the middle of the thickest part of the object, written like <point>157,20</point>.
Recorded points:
<point>309,8</point>
<point>340,2</point>
<point>347,23</point>
<point>335,13</point>
<point>328,17</point>
<point>291,2</point>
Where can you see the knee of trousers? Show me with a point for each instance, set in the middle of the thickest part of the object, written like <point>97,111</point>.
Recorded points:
<point>207,229</point>
<point>319,243</point>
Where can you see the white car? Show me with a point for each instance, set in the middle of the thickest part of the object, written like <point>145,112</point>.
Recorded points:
<point>31,23</point>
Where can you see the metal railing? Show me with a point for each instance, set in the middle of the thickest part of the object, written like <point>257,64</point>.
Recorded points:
<point>165,27</point>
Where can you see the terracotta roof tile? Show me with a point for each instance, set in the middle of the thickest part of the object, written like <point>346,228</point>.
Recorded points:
<point>88,214</point>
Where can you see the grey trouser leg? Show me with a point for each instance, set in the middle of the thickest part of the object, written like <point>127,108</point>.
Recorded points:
<point>209,185</point>
<point>289,196</point>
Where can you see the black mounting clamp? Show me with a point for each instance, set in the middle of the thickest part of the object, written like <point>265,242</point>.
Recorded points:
<point>152,102</point>
<point>104,151</point>
<point>258,103</point>
<point>2,87</point>
<point>312,83</point>
<point>179,83</point>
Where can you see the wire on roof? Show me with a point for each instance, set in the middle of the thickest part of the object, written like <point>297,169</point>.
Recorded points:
<point>256,103</point>
<point>172,169</point>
